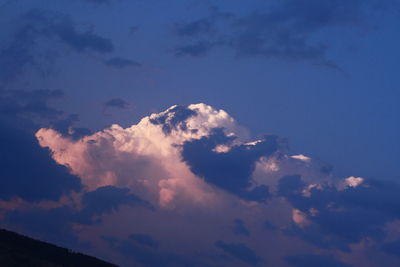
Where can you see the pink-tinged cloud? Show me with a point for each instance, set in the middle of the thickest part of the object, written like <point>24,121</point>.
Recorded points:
<point>202,174</point>
<point>141,156</point>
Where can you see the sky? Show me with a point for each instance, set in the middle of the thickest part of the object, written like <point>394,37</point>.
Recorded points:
<point>203,133</point>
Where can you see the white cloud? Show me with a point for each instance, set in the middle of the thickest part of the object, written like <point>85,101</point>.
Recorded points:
<point>147,159</point>
<point>354,181</point>
<point>301,157</point>
<point>141,156</point>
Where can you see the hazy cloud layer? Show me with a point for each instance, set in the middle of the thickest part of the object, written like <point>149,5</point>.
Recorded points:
<point>35,26</point>
<point>287,30</point>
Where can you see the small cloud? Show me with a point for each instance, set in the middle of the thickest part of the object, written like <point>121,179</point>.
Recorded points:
<point>354,181</point>
<point>301,157</point>
<point>120,63</point>
<point>133,29</point>
<point>200,26</point>
<point>195,50</point>
<point>116,103</point>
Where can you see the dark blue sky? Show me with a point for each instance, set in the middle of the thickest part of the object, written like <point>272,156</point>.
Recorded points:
<point>322,74</point>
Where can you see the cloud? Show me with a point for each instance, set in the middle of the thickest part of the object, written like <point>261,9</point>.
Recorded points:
<point>239,251</point>
<point>116,103</point>
<point>196,49</point>
<point>35,25</point>
<point>17,55</point>
<point>337,216</point>
<point>64,29</point>
<point>53,225</point>
<point>66,127</point>
<point>27,170</point>
<point>188,186</point>
<point>142,254</point>
<point>229,170</point>
<point>58,224</point>
<point>151,150</point>
<point>108,198</point>
<point>314,261</point>
<point>33,104</point>
<point>286,30</point>
<point>121,63</point>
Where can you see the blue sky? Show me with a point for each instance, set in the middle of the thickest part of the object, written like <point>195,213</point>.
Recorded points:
<point>337,114</point>
<point>321,75</point>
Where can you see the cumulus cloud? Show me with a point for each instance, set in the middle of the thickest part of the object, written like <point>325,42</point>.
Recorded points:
<point>148,154</point>
<point>188,186</point>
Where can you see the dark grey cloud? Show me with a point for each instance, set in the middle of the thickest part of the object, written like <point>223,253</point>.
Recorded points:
<point>207,25</point>
<point>345,216</point>
<point>140,253</point>
<point>65,30</point>
<point>108,199</point>
<point>52,225</point>
<point>285,30</point>
<point>314,261</point>
<point>200,26</point>
<point>20,52</point>
<point>173,119</point>
<point>28,171</point>
<point>230,170</point>
<point>196,49</point>
<point>116,103</point>
<point>120,63</point>
<point>32,104</point>
<point>239,251</point>
<point>56,224</point>
<point>66,127</point>
<point>17,55</point>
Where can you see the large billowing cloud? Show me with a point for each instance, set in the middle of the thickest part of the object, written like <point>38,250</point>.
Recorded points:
<point>186,187</point>
<point>145,157</point>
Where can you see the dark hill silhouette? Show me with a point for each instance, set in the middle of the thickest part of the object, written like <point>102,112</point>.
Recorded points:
<point>20,251</point>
